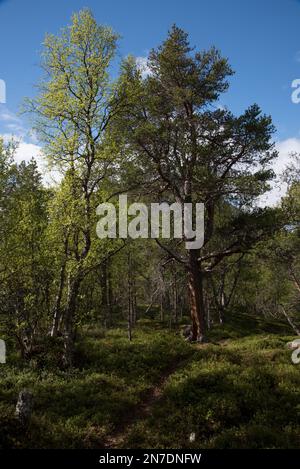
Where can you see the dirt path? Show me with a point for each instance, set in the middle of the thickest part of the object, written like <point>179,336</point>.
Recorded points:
<point>143,409</point>
<point>117,438</point>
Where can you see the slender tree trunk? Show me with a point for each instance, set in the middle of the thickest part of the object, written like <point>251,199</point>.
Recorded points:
<point>134,304</point>
<point>175,296</point>
<point>162,316</point>
<point>207,309</point>
<point>289,320</point>
<point>73,291</point>
<point>222,307</point>
<point>57,308</point>
<point>129,317</point>
<point>170,306</point>
<point>196,300</point>
<point>217,301</point>
<point>109,296</point>
<point>295,279</point>
<point>181,305</point>
<point>104,293</point>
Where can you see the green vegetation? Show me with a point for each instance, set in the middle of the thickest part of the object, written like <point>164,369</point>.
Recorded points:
<point>238,391</point>
<point>93,324</point>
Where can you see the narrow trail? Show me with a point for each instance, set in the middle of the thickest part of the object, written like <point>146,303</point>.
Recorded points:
<point>143,409</point>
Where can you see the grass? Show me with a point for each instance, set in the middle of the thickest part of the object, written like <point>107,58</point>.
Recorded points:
<point>238,391</point>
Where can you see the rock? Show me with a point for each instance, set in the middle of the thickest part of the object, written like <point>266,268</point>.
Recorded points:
<point>294,344</point>
<point>2,351</point>
<point>187,332</point>
<point>24,407</point>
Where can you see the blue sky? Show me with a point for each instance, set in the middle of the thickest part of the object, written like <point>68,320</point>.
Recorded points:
<point>260,38</point>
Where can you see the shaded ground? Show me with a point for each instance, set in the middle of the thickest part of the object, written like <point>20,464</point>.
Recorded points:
<point>239,391</point>
<point>143,409</point>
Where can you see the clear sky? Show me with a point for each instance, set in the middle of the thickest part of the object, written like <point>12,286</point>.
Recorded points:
<point>260,38</point>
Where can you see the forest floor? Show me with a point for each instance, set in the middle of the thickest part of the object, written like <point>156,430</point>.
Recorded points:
<point>240,390</point>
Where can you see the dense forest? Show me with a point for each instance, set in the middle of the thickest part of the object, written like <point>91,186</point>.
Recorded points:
<point>123,342</point>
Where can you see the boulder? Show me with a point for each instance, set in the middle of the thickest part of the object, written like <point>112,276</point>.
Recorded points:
<point>24,407</point>
<point>187,332</point>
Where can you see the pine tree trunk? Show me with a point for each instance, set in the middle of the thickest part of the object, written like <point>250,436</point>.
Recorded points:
<point>196,300</point>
